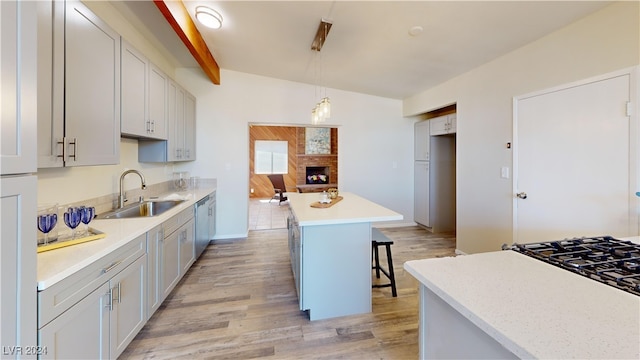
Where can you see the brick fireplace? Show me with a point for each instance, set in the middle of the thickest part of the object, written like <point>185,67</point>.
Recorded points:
<point>317,164</point>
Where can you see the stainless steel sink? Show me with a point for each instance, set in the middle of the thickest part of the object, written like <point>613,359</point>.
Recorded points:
<point>143,209</point>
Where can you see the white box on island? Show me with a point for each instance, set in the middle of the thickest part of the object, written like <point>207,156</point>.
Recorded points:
<point>330,251</point>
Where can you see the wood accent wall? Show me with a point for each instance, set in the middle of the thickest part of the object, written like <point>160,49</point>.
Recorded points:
<point>260,183</point>
<point>298,160</point>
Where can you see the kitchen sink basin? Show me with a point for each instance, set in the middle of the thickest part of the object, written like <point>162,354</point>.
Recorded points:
<point>143,209</point>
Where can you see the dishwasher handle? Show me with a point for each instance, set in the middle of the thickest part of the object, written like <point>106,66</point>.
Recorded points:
<point>203,201</point>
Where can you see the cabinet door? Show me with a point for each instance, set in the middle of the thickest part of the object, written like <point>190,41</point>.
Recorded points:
<point>179,124</point>
<point>439,125</point>
<point>296,259</point>
<point>18,69</point>
<point>158,82</point>
<point>172,126</point>
<point>187,246</point>
<point>82,332</point>
<point>212,217</point>
<point>128,315</point>
<point>134,72</point>
<point>453,123</point>
<point>18,260</point>
<point>50,83</point>
<point>155,237</point>
<point>189,127</point>
<point>170,263</point>
<point>421,140</point>
<point>421,193</point>
<point>92,89</point>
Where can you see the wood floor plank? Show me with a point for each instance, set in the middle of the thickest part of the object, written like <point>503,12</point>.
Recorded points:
<point>239,301</point>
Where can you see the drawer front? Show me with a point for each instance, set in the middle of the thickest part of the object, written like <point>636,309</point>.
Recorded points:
<point>171,225</point>
<point>56,299</point>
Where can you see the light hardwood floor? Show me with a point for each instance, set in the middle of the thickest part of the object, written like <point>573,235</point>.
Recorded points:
<point>239,301</point>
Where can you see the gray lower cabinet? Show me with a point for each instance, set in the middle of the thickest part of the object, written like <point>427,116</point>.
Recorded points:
<point>341,288</point>
<point>170,249</point>
<point>155,243</point>
<point>95,313</point>
<point>295,248</point>
<point>187,246</point>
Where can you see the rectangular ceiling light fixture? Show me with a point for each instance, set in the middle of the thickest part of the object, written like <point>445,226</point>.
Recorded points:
<point>321,34</point>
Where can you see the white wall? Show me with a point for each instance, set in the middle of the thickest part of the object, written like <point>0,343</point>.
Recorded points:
<point>375,141</point>
<point>603,42</point>
<point>373,137</point>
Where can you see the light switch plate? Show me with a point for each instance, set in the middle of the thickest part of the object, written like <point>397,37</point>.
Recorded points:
<point>504,172</point>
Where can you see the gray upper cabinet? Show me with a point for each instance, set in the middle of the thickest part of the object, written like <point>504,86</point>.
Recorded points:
<point>189,127</point>
<point>157,101</point>
<point>144,96</point>
<point>443,125</point>
<point>134,76</point>
<point>79,96</point>
<point>181,128</point>
<point>18,85</point>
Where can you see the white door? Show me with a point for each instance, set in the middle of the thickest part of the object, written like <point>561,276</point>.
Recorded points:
<point>574,160</point>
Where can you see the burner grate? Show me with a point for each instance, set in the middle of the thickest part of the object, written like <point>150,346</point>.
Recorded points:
<point>605,259</point>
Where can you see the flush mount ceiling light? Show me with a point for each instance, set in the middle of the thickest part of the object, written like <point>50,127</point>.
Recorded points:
<point>209,17</point>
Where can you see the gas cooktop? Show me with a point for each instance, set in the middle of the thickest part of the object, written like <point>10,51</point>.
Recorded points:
<point>603,258</point>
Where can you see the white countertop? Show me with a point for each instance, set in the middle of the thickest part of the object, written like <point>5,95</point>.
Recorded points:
<point>351,209</point>
<point>534,309</point>
<point>58,264</point>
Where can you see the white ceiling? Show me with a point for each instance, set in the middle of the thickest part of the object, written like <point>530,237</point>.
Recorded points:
<point>369,49</point>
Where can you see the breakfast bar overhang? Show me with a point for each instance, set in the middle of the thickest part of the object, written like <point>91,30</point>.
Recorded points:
<point>330,250</point>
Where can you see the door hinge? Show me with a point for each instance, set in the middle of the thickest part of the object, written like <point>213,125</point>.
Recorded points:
<point>628,108</point>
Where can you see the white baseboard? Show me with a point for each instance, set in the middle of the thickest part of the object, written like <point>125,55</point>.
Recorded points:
<point>392,224</point>
<point>231,236</point>
<point>460,252</point>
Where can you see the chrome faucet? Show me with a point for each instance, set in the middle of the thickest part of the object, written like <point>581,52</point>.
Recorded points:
<point>121,199</point>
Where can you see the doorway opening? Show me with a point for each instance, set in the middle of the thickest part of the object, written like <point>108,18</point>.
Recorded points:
<point>313,149</point>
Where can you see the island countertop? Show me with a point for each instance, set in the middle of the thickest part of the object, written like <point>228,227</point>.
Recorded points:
<point>351,209</point>
<point>534,309</point>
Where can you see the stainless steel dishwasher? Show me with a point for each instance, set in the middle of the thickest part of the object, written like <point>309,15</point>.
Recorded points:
<point>202,225</point>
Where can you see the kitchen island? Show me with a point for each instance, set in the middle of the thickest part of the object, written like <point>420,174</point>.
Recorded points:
<point>330,250</point>
<point>508,305</point>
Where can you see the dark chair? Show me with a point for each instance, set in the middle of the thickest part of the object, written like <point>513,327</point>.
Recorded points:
<point>278,187</point>
<point>379,239</point>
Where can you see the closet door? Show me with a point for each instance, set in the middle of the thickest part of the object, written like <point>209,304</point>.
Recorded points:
<point>574,169</point>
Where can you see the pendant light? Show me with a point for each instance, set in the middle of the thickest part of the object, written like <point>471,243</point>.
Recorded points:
<point>322,110</point>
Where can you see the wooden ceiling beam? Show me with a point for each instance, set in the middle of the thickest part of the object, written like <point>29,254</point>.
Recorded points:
<point>178,17</point>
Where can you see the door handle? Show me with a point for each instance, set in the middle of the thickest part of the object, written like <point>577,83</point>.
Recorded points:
<point>521,195</point>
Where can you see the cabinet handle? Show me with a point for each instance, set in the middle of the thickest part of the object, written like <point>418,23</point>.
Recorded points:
<point>148,123</point>
<point>61,143</point>
<point>110,294</point>
<point>106,270</point>
<point>119,294</point>
<point>75,149</point>
<point>153,126</point>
